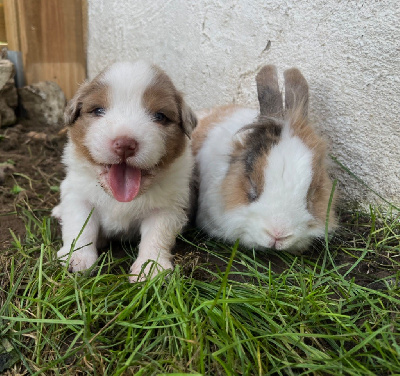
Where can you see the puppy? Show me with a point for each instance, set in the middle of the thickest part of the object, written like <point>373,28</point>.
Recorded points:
<point>129,166</point>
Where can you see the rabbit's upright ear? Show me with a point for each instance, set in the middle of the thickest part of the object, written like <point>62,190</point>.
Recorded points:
<point>269,95</point>
<point>296,92</point>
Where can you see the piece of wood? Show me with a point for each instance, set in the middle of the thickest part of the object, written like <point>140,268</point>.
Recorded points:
<point>3,36</point>
<point>11,22</point>
<point>51,36</point>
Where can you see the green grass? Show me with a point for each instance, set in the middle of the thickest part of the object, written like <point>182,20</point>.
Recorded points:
<point>334,311</point>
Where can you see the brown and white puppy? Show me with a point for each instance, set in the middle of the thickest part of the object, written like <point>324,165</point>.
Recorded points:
<point>128,163</point>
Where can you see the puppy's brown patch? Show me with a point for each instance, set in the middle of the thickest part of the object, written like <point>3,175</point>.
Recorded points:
<point>244,181</point>
<point>206,123</point>
<point>79,113</point>
<point>162,96</point>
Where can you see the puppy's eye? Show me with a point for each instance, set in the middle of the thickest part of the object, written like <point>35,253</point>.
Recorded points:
<point>99,111</point>
<point>159,117</point>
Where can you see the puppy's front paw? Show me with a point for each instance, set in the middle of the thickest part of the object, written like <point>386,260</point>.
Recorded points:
<point>56,212</point>
<point>150,270</point>
<point>81,259</point>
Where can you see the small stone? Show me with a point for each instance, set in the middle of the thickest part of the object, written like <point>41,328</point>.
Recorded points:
<point>8,93</point>
<point>8,103</point>
<point>5,168</point>
<point>43,102</point>
<point>3,53</point>
<point>7,114</point>
<point>7,71</point>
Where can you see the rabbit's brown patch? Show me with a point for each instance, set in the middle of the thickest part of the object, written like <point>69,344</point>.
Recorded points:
<point>296,104</point>
<point>207,122</point>
<point>234,187</point>
<point>260,137</point>
<point>320,188</point>
<point>241,187</point>
<point>244,182</point>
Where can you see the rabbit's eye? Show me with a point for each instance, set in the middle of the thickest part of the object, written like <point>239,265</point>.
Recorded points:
<point>252,194</point>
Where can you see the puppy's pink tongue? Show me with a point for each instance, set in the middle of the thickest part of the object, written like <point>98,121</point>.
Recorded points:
<point>124,181</point>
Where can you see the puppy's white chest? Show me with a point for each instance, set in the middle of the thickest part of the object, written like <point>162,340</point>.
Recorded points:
<point>121,219</point>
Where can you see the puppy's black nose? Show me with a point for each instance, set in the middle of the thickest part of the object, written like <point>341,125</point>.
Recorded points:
<point>125,147</point>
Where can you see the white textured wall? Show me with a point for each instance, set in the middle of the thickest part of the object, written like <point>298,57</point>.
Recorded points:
<point>349,51</point>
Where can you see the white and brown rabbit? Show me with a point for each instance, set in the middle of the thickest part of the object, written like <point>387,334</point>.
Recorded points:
<point>262,176</point>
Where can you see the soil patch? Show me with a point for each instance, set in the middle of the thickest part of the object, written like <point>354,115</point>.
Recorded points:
<point>33,173</point>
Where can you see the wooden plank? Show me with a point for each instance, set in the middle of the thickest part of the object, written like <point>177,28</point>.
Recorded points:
<point>85,25</point>
<point>3,36</point>
<point>51,38</point>
<point>11,22</point>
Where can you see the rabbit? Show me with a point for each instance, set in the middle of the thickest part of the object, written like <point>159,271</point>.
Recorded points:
<point>262,176</point>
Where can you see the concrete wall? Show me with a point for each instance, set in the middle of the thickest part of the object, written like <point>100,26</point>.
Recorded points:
<point>349,51</point>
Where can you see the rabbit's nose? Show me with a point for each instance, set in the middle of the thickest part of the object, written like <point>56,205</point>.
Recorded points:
<point>278,237</point>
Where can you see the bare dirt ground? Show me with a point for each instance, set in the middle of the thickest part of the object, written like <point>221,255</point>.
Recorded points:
<point>31,172</point>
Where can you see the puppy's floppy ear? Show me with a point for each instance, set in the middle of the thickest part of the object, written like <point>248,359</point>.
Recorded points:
<point>72,111</point>
<point>188,118</point>
<point>74,106</point>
